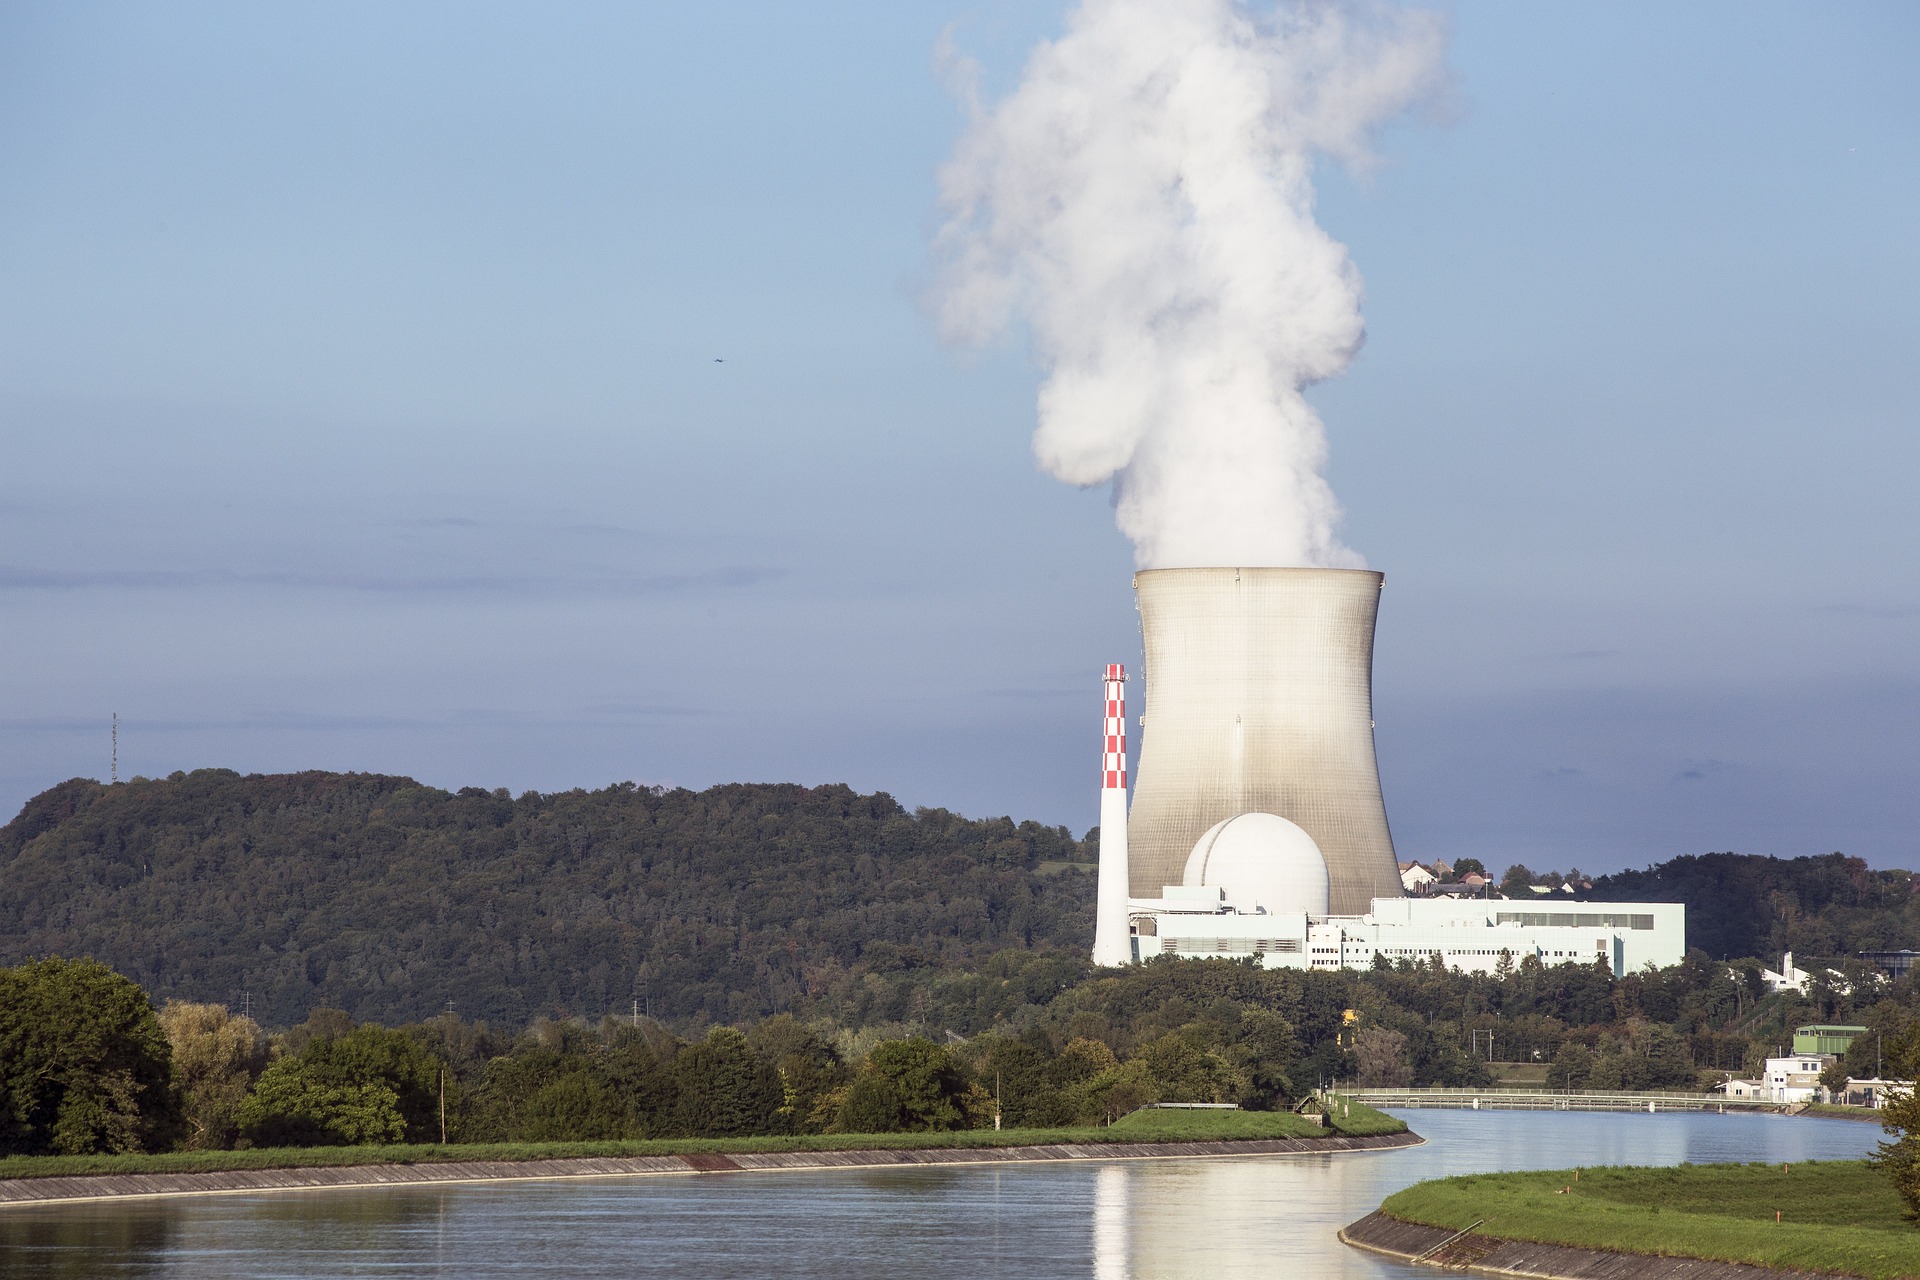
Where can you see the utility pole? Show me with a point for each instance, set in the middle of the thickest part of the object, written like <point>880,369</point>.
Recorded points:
<point>114,763</point>
<point>636,1013</point>
<point>443,1104</point>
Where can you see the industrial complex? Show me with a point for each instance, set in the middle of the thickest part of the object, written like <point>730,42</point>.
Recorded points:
<point>1257,828</point>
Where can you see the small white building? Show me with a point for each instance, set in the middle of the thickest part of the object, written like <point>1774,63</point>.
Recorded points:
<point>1795,1078</point>
<point>1415,878</point>
<point>1788,979</point>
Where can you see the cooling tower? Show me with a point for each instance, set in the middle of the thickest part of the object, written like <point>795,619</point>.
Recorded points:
<point>1259,692</point>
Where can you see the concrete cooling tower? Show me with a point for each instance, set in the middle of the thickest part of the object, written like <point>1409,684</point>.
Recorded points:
<point>1259,687</point>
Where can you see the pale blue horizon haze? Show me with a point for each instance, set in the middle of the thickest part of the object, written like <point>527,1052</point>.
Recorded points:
<point>545,397</point>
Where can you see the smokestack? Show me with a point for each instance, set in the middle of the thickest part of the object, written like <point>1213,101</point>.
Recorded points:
<point>1111,944</point>
<point>1260,686</point>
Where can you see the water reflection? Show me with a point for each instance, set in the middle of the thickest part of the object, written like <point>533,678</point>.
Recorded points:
<point>1218,1219</point>
<point>63,1246</point>
<point>1110,1223</point>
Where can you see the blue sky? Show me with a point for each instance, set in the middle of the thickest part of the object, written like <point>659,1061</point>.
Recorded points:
<point>359,409</point>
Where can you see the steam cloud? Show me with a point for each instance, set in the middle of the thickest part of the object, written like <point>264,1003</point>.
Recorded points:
<point>1144,200</point>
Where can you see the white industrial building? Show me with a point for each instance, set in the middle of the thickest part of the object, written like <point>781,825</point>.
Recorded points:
<point>1255,860</point>
<point>1259,794</point>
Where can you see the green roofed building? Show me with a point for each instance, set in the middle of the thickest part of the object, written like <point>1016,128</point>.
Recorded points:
<point>1825,1039</point>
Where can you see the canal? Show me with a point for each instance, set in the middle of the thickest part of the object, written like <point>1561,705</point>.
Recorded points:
<point>1218,1219</point>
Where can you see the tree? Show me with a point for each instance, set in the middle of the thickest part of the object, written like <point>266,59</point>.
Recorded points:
<point>371,1084</point>
<point>807,1065</point>
<point>216,1057</point>
<point>1833,1078</point>
<point>84,1065</point>
<point>1468,866</point>
<point>1380,1058</point>
<point>1900,1158</point>
<point>1518,882</point>
<point>294,1104</point>
<point>1182,1073</point>
<point>724,1088</point>
<point>926,1087</point>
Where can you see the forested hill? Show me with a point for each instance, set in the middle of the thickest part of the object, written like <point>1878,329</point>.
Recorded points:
<point>388,898</point>
<point>1826,907</point>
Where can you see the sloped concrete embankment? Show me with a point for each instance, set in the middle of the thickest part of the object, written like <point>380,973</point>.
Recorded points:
<point>22,1191</point>
<point>1491,1256</point>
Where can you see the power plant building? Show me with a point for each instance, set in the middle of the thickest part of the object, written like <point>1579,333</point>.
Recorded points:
<point>1257,827</point>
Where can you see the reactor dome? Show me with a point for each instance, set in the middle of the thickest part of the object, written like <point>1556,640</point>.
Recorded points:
<point>1261,859</point>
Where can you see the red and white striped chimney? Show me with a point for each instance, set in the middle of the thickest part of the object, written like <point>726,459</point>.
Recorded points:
<point>1111,943</point>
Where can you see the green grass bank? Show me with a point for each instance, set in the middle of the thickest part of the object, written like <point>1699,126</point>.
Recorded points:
<point>1837,1216</point>
<point>1141,1126</point>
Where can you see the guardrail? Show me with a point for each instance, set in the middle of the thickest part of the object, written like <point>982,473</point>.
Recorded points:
<point>1523,1099</point>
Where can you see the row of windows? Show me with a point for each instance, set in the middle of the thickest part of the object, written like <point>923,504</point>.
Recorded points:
<point>1573,920</point>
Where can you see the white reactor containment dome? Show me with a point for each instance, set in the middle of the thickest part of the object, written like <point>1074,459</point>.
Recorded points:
<point>1259,687</point>
<point>1261,859</point>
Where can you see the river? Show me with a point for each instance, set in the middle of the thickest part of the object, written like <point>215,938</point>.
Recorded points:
<point>1218,1219</point>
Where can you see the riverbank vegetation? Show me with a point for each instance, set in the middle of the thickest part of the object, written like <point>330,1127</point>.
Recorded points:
<point>87,1067</point>
<point>1350,1119</point>
<point>392,900</point>
<point>639,963</point>
<point>1837,1216</point>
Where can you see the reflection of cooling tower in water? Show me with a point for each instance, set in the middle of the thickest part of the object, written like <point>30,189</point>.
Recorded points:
<point>1259,692</point>
<point>1110,1223</point>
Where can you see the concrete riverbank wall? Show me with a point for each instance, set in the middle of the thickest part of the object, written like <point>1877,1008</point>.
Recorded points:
<point>1491,1256</point>
<point>25,1191</point>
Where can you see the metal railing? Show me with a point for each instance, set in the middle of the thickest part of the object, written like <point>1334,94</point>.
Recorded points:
<point>1522,1098</point>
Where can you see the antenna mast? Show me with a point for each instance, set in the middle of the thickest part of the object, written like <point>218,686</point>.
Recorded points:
<point>114,766</point>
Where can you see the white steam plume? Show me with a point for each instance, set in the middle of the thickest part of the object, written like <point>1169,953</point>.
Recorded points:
<point>1144,200</point>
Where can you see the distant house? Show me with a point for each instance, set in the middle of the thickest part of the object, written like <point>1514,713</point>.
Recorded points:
<point>1793,978</point>
<point>1474,880</point>
<point>1872,1092</point>
<point>1741,1089</point>
<point>1416,879</point>
<point>1795,1078</point>
<point>1440,868</point>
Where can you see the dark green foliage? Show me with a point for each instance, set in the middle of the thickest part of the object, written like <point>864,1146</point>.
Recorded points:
<point>724,1089</point>
<point>387,898</point>
<point>1899,1158</point>
<point>808,1068</point>
<point>84,1065</point>
<point>872,1105</point>
<point>1745,905</point>
<point>911,1086</point>
<point>370,1084</point>
<point>563,1083</point>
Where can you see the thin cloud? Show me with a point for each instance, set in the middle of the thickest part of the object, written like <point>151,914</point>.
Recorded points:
<point>323,722</point>
<point>1880,612</point>
<point>16,578</point>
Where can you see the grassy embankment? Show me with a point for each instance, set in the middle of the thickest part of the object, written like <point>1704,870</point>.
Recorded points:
<point>1835,1111</point>
<point>1840,1216</point>
<point>1141,1126</point>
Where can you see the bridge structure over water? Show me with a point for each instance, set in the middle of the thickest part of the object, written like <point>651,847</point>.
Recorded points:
<point>1523,1099</point>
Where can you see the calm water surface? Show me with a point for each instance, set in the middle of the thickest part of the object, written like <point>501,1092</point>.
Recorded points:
<point>1216,1219</point>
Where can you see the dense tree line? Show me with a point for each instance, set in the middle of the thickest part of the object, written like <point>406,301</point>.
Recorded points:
<point>1745,905</point>
<point>390,899</point>
<point>87,1064</point>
